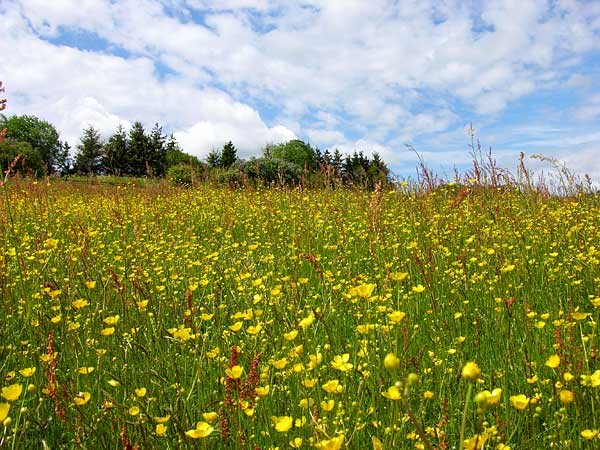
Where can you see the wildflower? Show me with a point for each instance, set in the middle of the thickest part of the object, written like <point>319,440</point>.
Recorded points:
<point>290,336</point>
<point>566,397</point>
<point>471,371</point>
<point>210,417</point>
<point>234,372</point>
<point>588,434</point>
<point>296,442</point>
<point>333,387</point>
<point>520,401</point>
<point>341,362</point>
<point>27,372</point>
<point>4,407</point>
<point>80,303</point>
<point>553,362</point>
<point>280,363</point>
<point>476,442</point>
<point>396,316</point>
<point>307,321</point>
<point>391,361</point>
<point>592,380</point>
<point>418,288</point>
<point>140,392</point>
<point>134,411</point>
<point>90,284</point>
<point>363,290</point>
<point>377,444</point>
<point>283,423</point>
<point>161,429</point>
<point>393,393</point>
<point>236,326</point>
<point>399,276</point>
<point>111,320</point>
<point>262,391</point>
<point>163,419</point>
<point>82,398</point>
<point>327,405</point>
<point>202,430</point>
<point>331,444</point>
<point>12,392</point>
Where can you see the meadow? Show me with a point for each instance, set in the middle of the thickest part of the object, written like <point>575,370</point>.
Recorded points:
<point>207,318</point>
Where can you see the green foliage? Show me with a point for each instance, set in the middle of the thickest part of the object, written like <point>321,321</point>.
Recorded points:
<point>228,155</point>
<point>30,162</point>
<point>41,135</point>
<point>296,152</point>
<point>183,174</point>
<point>88,159</point>
<point>157,154</point>
<point>270,170</point>
<point>116,159</point>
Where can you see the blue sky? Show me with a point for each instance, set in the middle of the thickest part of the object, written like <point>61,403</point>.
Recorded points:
<point>349,74</point>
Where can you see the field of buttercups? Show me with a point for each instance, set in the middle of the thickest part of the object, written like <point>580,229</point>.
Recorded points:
<point>158,317</point>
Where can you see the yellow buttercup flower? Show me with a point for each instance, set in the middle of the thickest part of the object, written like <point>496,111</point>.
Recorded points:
<point>283,423</point>
<point>471,371</point>
<point>391,361</point>
<point>520,401</point>
<point>140,392</point>
<point>111,320</point>
<point>566,397</point>
<point>82,398</point>
<point>307,321</point>
<point>553,362</point>
<point>588,434</point>
<point>396,316</point>
<point>331,444</point>
<point>340,362</point>
<point>80,303</point>
<point>393,393</point>
<point>161,429</point>
<point>234,372</point>
<point>12,392</point>
<point>210,417</point>
<point>333,387</point>
<point>4,408</point>
<point>27,372</point>
<point>377,444</point>
<point>163,419</point>
<point>202,430</point>
<point>363,290</point>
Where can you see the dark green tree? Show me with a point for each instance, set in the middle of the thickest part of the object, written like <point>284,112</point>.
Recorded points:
<point>138,151</point>
<point>228,155</point>
<point>88,158</point>
<point>64,160</point>
<point>115,160</point>
<point>213,159</point>
<point>41,135</point>
<point>157,151</point>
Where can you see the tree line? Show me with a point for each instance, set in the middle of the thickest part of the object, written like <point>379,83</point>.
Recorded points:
<point>137,152</point>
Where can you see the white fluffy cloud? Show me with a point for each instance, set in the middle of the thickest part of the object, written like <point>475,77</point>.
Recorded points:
<point>224,120</point>
<point>382,72</point>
